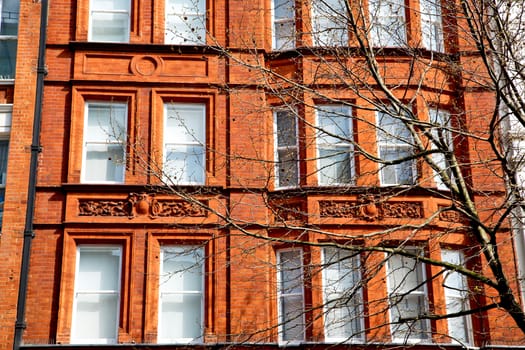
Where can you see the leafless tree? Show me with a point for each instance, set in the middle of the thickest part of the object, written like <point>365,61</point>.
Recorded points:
<point>379,162</point>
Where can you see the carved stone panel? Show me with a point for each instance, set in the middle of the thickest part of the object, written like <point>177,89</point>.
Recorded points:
<point>367,208</point>
<point>141,204</point>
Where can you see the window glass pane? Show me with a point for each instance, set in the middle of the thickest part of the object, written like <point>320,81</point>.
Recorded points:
<point>7,59</point>
<point>431,26</point>
<point>181,317</point>
<point>109,20</point>
<point>104,162</point>
<point>407,298</point>
<point>329,23</point>
<point>290,292</point>
<point>96,317</point>
<point>185,124</point>
<point>97,295</point>
<point>181,269</point>
<point>184,143</point>
<point>287,167</point>
<point>291,270</point>
<point>335,165</point>
<point>457,298</point>
<point>106,122</point>
<point>104,138</point>
<point>440,132</point>
<point>186,22</point>
<point>181,294</point>
<point>394,143</point>
<point>9,17</point>
<point>185,164</point>
<point>334,150</point>
<point>109,27</point>
<point>98,269</point>
<point>342,295</point>
<point>283,24</point>
<point>292,318</point>
<point>387,23</point>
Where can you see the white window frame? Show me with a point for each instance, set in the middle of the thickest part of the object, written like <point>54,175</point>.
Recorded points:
<point>6,38</point>
<point>329,23</point>
<point>115,136</point>
<point>286,41</point>
<point>199,253</point>
<point>457,295</point>
<point>394,142</point>
<point>394,291</point>
<point>384,14</point>
<point>283,295</point>
<point>172,175</point>
<point>94,12</point>
<point>191,35</point>
<point>350,271</point>
<point>441,119</point>
<point>431,25</point>
<point>74,322</point>
<point>288,149</point>
<point>344,142</point>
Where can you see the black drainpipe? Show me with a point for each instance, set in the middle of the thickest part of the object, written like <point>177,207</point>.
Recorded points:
<point>20,324</point>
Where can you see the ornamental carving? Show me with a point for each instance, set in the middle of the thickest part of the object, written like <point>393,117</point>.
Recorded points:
<point>288,211</point>
<point>369,208</point>
<point>141,204</point>
<point>446,214</point>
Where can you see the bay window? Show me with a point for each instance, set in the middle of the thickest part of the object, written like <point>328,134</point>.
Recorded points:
<point>342,296</point>
<point>9,14</point>
<point>334,148</point>
<point>97,295</point>
<point>286,149</point>
<point>105,133</point>
<point>387,23</point>
<point>109,20</point>
<point>329,23</point>
<point>290,294</point>
<point>431,25</point>
<point>283,24</point>
<point>440,121</point>
<point>185,22</point>
<point>456,298</point>
<point>407,296</point>
<point>184,143</point>
<point>394,142</point>
<point>181,294</point>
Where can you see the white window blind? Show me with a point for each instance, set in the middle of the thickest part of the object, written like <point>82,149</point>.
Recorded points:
<point>394,143</point>
<point>181,294</point>
<point>334,148</point>
<point>184,143</point>
<point>109,20</point>
<point>407,296</point>
<point>104,142</point>
<point>185,22</point>
<point>456,297</point>
<point>97,295</point>
<point>290,295</point>
<point>343,311</point>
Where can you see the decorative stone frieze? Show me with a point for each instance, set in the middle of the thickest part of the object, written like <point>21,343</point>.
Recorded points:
<point>369,209</point>
<point>141,204</point>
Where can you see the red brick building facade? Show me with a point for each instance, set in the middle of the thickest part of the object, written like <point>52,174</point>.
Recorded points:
<point>166,214</point>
